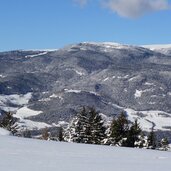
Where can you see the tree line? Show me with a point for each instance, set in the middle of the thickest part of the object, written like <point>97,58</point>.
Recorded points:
<point>88,127</point>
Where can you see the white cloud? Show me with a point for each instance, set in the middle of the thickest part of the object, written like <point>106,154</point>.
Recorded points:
<point>135,8</point>
<point>81,2</point>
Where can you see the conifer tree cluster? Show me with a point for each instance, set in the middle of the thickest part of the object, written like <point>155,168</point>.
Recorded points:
<point>123,133</point>
<point>9,122</point>
<point>164,144</point>
<point>88,127</point>
<point>151,140</point>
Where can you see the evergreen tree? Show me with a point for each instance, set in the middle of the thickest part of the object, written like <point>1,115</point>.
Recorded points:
<point>27,133</point>
<point>118,130</point>
<point>133,135</point>
<point>142,141</point>
<point>9,122</point>
<point>164,144</point>
<point>96,126</point>
<point>60,135</point>
<point>151,141</point>
<point>77,128</point>
<point>86,127</point>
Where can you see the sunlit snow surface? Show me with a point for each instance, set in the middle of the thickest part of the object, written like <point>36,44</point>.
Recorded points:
<point>18,154</point>
<point>165,49</point>
<point>158,46</point>
<point>25,112</point>
<point>4,132</point>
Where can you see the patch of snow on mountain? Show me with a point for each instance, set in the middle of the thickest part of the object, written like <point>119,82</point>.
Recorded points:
<point>79,91</point>
<point>165,49</point>
<point>8,109</point>
<point>152,103</point>
<point>45,92</point>
<point>107,45</point>
<point>2,76</point>
<point>115,105</point>
<point>45,100</point>
<point>133,78</point>
<point>148,84</point>
<point>53,96</point>
<point>147,119</point>
<point>157,46</point>
<point>138,93</point>
<point>94,93</point>
<point>56,96</point>
<point>31,125</point>
<point>76,71</point>
<point>79,72</point>
<point>72,91</point>
<point>60,123</point>
<point>106,79</point>
<point>15,99</point>
<point>39,54</point>
<point>25,112</point>
<point>40,50</point>
<point>6,101</point>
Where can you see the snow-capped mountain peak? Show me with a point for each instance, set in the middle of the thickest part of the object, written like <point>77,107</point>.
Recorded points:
<point>162,48</point>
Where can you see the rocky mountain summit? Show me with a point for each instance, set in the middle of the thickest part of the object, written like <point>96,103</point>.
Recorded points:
<point>46,88</point>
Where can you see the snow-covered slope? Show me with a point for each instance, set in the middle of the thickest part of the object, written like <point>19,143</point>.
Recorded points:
<point>157,46</point>
<point>163,48</point>
<point>18,154</point>
<point>4,132</point>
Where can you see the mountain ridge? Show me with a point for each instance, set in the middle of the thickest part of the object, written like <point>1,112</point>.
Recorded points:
<point>109,76</point>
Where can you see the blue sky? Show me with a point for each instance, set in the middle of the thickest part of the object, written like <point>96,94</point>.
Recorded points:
<point>51,24</point>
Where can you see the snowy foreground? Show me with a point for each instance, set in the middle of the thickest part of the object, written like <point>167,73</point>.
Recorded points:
<point>19,154</point>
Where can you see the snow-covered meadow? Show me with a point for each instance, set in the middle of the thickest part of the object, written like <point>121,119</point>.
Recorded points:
<point>20,154</point>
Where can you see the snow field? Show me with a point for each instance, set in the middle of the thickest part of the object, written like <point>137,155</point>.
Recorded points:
<point>18,154</point>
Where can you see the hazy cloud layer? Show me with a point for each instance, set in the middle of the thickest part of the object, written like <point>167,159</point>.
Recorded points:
<point>135,8</point>
<point>131,8</point>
